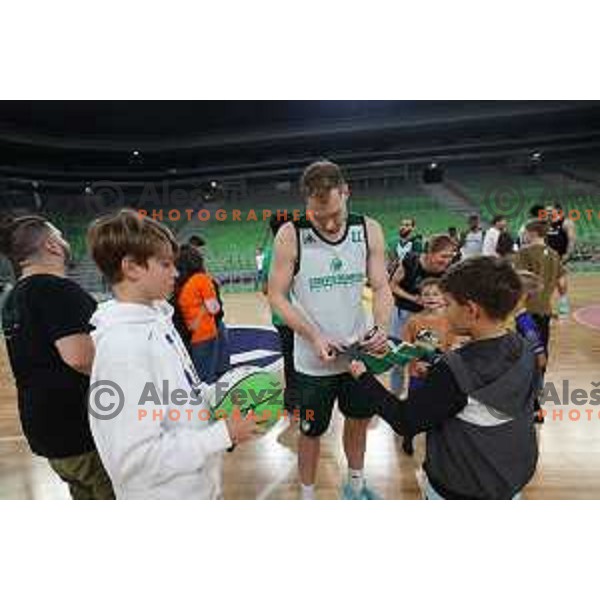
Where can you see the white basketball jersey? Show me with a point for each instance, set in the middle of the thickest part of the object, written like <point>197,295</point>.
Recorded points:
<point>473,244</point>
<point>327,290</point>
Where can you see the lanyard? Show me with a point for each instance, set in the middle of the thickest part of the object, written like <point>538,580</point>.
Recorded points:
<point>189,370</point>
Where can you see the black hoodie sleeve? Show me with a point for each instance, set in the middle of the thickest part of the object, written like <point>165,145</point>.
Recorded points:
<point>436,401</point>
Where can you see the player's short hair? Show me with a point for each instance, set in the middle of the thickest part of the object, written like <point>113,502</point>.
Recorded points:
<point>498,218</point>
<point>126,233</point>
<point>320,178</point>
<point>488,281</point>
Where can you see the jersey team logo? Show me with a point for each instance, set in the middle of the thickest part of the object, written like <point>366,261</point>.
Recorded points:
<point>336,265</point>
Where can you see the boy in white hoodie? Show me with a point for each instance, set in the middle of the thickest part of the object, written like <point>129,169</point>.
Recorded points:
<point>152,434</point>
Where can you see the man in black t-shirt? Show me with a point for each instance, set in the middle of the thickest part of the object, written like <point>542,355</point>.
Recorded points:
<point>45,319</point>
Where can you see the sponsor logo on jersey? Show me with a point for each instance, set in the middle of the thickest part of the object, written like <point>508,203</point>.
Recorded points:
<point>309,238</point>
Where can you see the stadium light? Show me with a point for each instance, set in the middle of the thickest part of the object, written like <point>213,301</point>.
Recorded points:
<point>136,157</point>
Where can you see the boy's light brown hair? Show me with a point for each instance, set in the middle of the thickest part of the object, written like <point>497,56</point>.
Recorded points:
<point>320,178</point>
<point>127,233</point>
<point>539,228</point>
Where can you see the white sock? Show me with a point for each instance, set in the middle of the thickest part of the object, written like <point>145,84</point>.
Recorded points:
<point>308,491</point>
<point>356,478</point>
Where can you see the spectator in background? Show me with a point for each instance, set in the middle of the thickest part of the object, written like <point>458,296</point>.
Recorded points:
<point>505,246</point>
<point>561,232</point>
<point>471,241</point>
<point>46,323</point>
<point>490,241</point>
<point>197,241</point>
<point>453,233</point>
<point>561,238</point>
<point>197,300</point>
<point>405,283</point>
<point>223,352</point>
<point>544,262</point>
<point>408,241</point>
<point>537,211</point>
<point>260,259</point>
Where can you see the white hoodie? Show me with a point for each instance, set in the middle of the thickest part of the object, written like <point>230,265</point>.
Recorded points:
<point>150,458</point>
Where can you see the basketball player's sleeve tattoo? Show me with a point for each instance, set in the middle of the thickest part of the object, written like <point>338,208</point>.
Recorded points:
<point>436,401</point>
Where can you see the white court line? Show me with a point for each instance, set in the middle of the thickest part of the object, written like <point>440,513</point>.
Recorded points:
<point>267,491</point>
<point>275,483</point>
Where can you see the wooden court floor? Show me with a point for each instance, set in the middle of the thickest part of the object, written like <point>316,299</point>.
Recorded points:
<point>569,465</point>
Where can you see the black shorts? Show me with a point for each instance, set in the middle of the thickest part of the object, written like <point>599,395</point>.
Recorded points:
<point>316,397</point>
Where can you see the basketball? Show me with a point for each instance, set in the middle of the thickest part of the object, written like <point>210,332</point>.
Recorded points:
<point>249,390</point>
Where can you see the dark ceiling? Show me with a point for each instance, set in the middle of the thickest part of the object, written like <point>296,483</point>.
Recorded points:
<point>135,122</point>
<point>78,135</point>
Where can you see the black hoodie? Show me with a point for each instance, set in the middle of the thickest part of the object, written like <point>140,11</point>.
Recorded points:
<point>476,405</point>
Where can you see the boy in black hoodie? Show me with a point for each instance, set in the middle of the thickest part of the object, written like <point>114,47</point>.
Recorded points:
<point>476,402</point>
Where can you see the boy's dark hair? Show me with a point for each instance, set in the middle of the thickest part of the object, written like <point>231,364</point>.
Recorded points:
<point>429,282</point>
<point>126,233</point>
<point>189,262</point>
<point>22,237</point>
<point>488,281</point>
<point>538,227</point>
<point>197,241</point>
<point>320,178</point>
<point>498,218</point>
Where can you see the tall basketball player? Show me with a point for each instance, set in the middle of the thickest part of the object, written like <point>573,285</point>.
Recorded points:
<point>324,259</point>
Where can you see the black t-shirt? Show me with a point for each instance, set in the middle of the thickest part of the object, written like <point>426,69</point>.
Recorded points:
<point>414,274</point>
<point>38,311</point>
<point>557,237</point>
